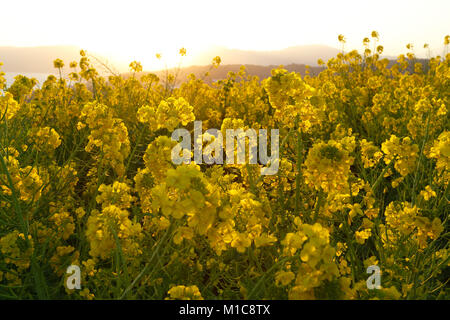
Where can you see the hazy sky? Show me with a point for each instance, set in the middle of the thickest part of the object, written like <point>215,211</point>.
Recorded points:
<point>135,29</point>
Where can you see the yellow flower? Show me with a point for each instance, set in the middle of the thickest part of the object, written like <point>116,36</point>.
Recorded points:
<point>8,106</point>
<point>216,61</point>
<point>135,66</point>
<point>240,242</point>
<point>428,193</point>
<point>172,112</point>
<point>183,233</point>
<point>403,153</point>
<point>362,236</point>
<point>58,64</point>
<point>284,277</point>
<point>185,293</point>
<point>328,165</point>
<point>264,240</point>
<point>85,293</point>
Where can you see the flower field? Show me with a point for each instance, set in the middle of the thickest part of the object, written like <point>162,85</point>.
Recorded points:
<point>86,179</point>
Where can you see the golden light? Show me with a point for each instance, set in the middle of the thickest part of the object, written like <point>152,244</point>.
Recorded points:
<point>137,30</point>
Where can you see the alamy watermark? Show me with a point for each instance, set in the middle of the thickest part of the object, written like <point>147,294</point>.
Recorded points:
<point>73,280</point>
<point>213,152</point>
<point>374,280</point>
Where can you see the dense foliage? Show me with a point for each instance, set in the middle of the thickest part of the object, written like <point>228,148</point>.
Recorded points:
<point>86,179</point>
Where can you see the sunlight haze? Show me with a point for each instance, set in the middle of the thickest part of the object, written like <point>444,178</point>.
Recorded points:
<point>137,30</point>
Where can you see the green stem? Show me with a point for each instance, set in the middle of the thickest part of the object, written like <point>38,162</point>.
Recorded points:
<point>298,178</point>
<point>320,199</point>
<point>147,266</point>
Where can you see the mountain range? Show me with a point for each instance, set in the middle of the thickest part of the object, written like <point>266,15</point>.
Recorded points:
<point>214,74</point>
<point>36,59</point>
<point>40,59</point>
<point>306,54</point>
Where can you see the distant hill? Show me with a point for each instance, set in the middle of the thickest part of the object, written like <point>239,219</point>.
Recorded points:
<point>259,63</point>
<point>307,54</point>
<point>221,72</point>
<point>261,72</point>
<point>36,59</point>
<point>40,59</point>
